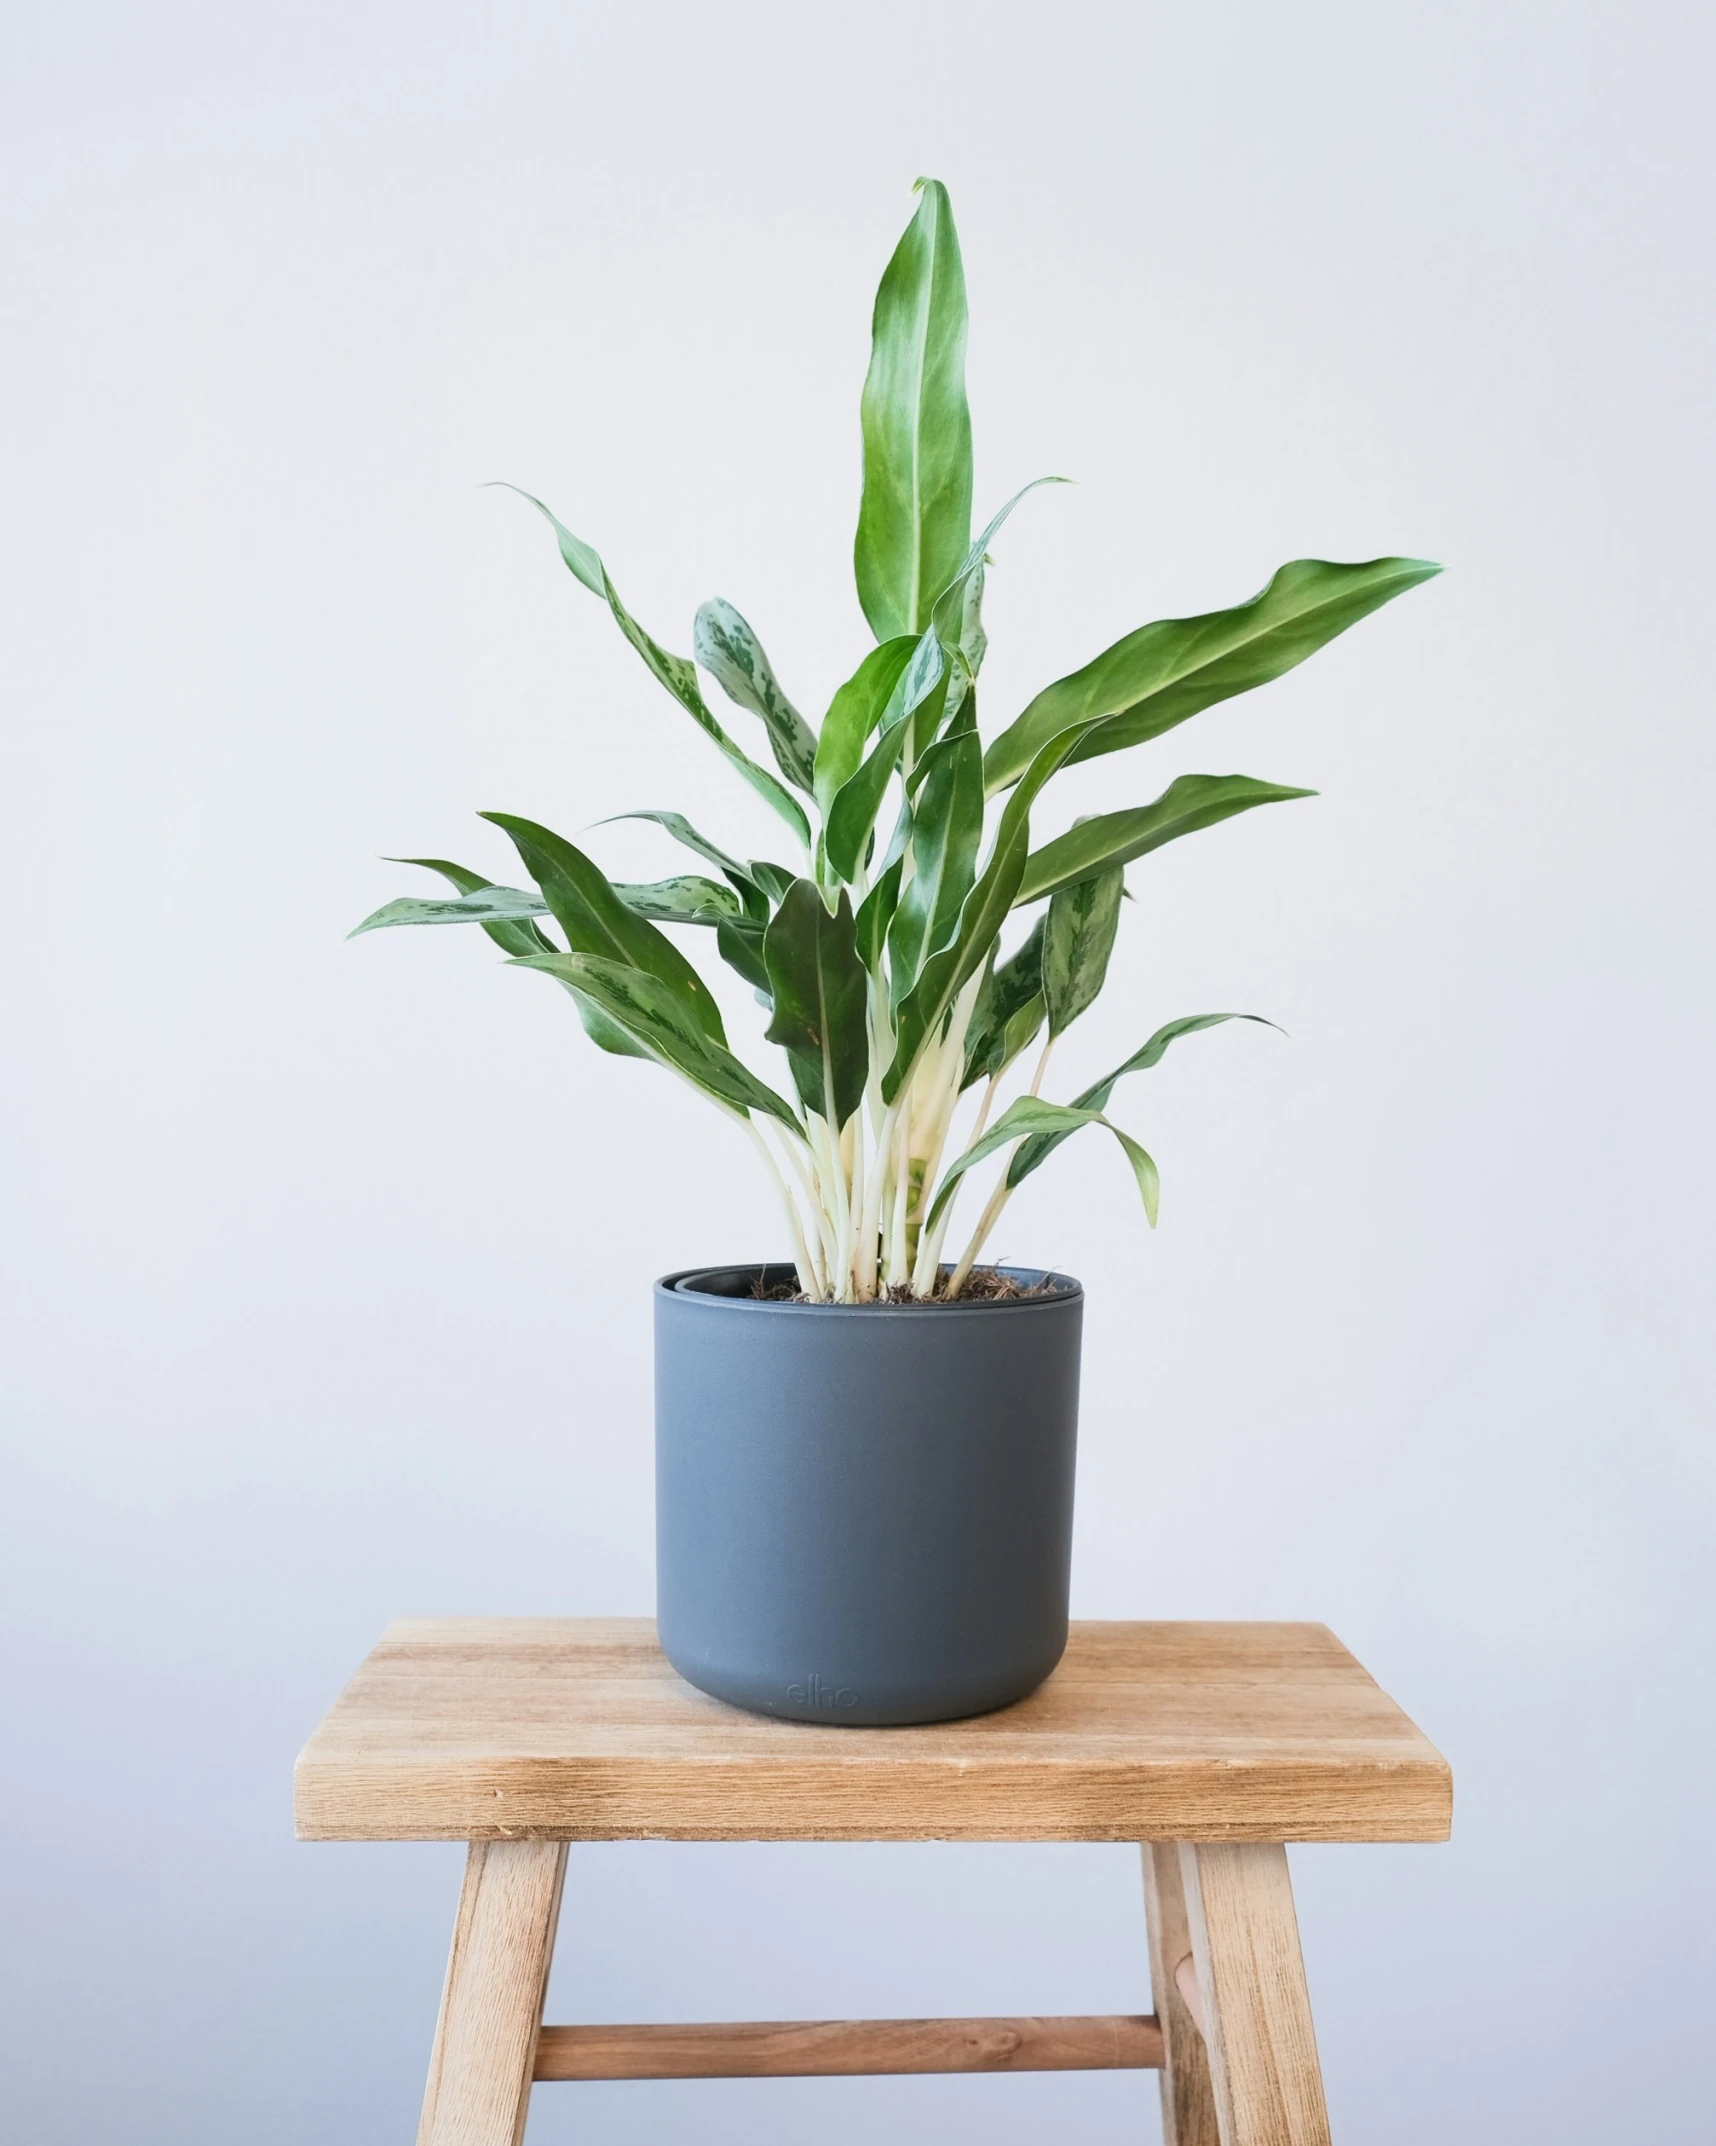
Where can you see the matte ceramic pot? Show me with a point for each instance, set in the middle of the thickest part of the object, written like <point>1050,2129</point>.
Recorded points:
<point>863,1511</point>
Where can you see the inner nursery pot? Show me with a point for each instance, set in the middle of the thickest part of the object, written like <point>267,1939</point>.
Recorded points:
<point>864,1511</point>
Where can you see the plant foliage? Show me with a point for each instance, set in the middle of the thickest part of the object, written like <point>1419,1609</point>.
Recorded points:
<point>877,952</point>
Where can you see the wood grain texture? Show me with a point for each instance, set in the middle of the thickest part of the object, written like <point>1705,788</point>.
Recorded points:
<point>577,1729</point>
<point>491,2004</point>
<point>1262,2049</point>
<point>1188,2100</point>
<point>847,2048</point>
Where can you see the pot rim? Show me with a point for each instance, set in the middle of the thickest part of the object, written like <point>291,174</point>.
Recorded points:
<point>1066,1290</point>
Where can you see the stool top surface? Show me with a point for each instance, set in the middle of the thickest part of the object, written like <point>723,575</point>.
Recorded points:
<point>477,1728</point>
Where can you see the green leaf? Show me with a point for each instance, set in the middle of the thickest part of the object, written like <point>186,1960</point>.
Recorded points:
<point>685,900</point>
<point>955,613</point>
<point>876,913</point>
<point>733,656</point>
<point>1081,922</point>
<point>774,879</point>
<point>756,901</point>
<point>1163,673</point>
<point>597,922</point>
<point>523,937</point>
<point>820,1001</point>
<point>914,519</point>
<point>677,673</point>
<point>944,975</point>
<point>852,816</point>
<point>947,827</point>
<point>1190,803</point>
<point>1009,1010</point>
<point>1029,1115</point>
<point>484,905</point>
<point>854,712</point>
<point>653,1013</point>
<point>1096,1096</point>
<point>739,941</point>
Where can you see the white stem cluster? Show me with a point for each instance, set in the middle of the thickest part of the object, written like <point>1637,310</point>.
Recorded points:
<point>856,1200</point>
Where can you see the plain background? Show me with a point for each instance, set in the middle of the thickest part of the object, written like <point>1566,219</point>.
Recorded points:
<point>326,1266</point>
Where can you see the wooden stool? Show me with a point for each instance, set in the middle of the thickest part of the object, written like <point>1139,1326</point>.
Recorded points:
<point>1210,1744</point>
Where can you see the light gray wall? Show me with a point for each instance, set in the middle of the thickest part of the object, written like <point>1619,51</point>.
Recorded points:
<point>325,1267</point>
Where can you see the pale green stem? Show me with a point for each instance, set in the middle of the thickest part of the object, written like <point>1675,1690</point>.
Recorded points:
<point>836,1206</point>
<point>870,1221</point>
<point>946,1103</point>
<point>809,1179</point>
<point>986,1222</point>
<point>852,1172</point>
<point>897,1269</point>
<point>1003,1191</point>
<point>808,1279</point>
<point>929,1262</point>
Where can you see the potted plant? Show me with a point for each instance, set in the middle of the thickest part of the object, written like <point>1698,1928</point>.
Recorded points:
<point>864,1456</point>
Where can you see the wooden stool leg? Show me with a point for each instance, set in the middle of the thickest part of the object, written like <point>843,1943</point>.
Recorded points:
<point>491,2006</point>
<point>1188,2102</point>
<point>1250,1974</point>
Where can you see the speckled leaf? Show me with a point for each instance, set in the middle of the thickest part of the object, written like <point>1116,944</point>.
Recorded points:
<point>483,905</point>
<point>677,673</point>
<point>730,652</point>
<point>1079,938</point>
<point>597,922</point>
<point>686,900</point>
<point>653,1012</point>
<point>755,900</point>
<point>820,1000</point>
<point>1009,1010</point>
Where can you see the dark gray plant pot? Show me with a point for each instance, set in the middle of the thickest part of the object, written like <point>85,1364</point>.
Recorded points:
<point>863,1512</point>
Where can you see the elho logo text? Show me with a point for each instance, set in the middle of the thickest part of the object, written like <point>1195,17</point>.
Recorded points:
<point>815,1692</point>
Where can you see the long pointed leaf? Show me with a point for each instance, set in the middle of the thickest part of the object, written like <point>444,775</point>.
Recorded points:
<point>738,875</point>
<point>524,938</point>
<point>820,1001</point>
<point>980,921</point>
<point>1009,1010</point>
<point>1029,1115</point>
<point>597,922</point>
<point>947,827</point>
<point>1096,1096</point>
<point>914,519</point>
<point>854,712</point>
<point>677,673</point>
<point>1081,924</point>
<point>739,941</point>
<point>730,652</point>
<point>1163,673</point>
<point>484,905</point>
<point>688,899</point>
<point>852,816</point>
<point>1187,805</point>
<point>652,1012</point>
<point>951,614</point>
